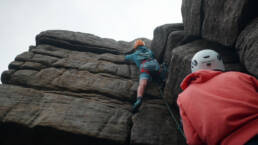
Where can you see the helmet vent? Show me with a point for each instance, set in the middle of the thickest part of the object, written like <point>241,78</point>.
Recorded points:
<point>207,56</point>
<point>195,63</point>
<point>208,64</point>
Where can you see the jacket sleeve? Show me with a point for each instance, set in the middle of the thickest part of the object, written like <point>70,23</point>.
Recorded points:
<point>191,135</point>
<point>129,57</point>
<point>151,52</point>
<point>252,81</point>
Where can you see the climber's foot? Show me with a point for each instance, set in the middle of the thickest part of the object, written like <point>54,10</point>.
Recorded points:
<point>136,105</point>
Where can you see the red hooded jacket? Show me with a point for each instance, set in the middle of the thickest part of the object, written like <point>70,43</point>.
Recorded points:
<point>219,107</point>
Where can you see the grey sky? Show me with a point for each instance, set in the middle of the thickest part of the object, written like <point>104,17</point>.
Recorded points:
<point>22,20</point>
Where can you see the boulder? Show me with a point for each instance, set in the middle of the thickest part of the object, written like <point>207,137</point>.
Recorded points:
<point>224,26</point>
<point>84,42</point>
<point>156,130</point>
<point>160,38</point>
<point>218,20</point>
<point>176,38</point>
<point>56,68</point>
<point>92,115</point>
<point>76,88</point>
<point>192,16</point>
<point>247,47</point>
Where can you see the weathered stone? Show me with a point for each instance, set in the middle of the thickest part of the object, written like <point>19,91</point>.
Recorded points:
<point>151,130</point>
<point>192,16</point>
<point>158,45</point>
<point>97,63</point>
<point>24,56</point>
<point>247,47</point>
<point>83,42</point>
<point>176,39</point>
<point>39,58</point>
<point>217,20</point>
<point>26,65</point>
<point>34,109</point>
<point>224,26</point>
<point>180,65</point>
<point>33,65</point>
<point>73,80</point>
<point>15,65</point>
<point>46,60</point>
<point>6,75</point>
<point>173,41</point>
<point>106,75</point>
<point>50,51</point>
<point>78,87</point>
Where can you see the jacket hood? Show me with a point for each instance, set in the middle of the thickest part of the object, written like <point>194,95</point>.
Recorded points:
<point>198,77</point>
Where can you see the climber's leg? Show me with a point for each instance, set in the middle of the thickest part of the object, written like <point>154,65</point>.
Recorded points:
<point>141,87</point>
<point>144,77</point>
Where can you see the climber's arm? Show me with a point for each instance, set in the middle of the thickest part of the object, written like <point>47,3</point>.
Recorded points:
<point>129,57</point>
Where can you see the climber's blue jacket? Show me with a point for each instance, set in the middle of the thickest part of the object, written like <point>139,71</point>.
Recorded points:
<point>142,53</point>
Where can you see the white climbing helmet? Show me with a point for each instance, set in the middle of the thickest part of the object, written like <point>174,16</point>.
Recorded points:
<point>207,59</point>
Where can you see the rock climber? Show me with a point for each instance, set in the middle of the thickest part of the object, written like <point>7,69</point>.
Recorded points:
<point>218,107</point>
<point>144,59</point>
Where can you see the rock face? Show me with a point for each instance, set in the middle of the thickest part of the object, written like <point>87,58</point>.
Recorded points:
<point>217,20</point>
<point>75,88</point>
<point>247,46</point>
<point>192,16</point>
<point>226,26</point>
<point>161,33</point>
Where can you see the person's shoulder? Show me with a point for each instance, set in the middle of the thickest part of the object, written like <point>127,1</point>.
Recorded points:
<point>236,73</point>
<point>238,76</point>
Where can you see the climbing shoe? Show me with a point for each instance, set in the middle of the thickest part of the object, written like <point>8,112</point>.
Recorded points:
<point>136,105</point>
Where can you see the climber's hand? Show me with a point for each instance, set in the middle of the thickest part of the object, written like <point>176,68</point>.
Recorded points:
<point>130,51</point>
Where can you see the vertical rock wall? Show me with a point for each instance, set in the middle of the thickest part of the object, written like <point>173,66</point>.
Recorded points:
<point>76,88</point>
<point>226,26</point>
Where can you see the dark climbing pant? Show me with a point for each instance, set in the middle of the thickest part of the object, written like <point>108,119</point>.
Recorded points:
<point>253,141</point>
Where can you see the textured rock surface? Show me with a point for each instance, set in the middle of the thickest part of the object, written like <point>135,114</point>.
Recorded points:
<point>159,42</point>
<point>192,16</point>
<point>181,61</point>
<point>223,26</point>
<point>217,20</point>
<point>92,115</point>
<point>247,47</point>
<point>176,38</point>
<point>84,42</point>
<point>75,88</point>
<point>145,123</point>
